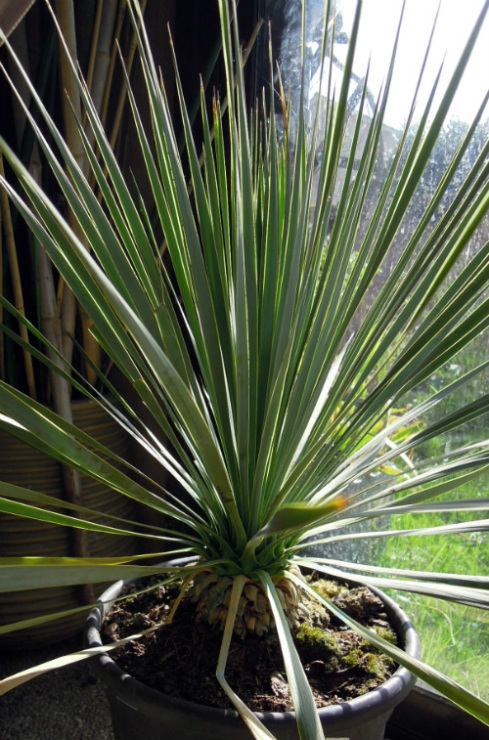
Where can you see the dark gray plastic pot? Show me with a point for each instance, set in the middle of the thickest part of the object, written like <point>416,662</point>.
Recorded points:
<point>142,713</point>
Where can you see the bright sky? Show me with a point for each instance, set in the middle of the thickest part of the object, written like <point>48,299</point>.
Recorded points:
<point>455,22</point>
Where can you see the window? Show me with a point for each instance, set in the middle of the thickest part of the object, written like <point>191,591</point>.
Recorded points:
<point>455,639</point>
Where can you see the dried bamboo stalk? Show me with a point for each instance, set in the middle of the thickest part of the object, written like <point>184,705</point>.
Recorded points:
<point>60,387</point>
<point>123,93</point>
<point>99,67</point>
<point>113,58</point>
<point>19,42</point>
<point>94,44</point>
<point>2,338</point>
<point>71,100</point>
<point>103,88</point>
<point>100,77</point>
<point>18,294</point>
<point>12,13</point>
<point>72,107</point>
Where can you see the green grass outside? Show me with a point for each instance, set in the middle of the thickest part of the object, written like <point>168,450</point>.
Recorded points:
<point>454,638</point>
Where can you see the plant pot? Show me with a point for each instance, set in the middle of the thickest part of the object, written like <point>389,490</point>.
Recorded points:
<point>142,713</point>
<point>26,466</point>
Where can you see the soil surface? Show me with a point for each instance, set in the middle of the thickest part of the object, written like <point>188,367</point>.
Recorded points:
<point>180,659</point>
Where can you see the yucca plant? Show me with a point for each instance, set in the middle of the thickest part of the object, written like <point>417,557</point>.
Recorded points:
<point>232,321</point>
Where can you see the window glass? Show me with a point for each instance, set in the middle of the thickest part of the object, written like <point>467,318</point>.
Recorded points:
<point>455,639</point>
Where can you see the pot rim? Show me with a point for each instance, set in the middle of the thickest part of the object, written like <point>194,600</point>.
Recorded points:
<point>129,689</point>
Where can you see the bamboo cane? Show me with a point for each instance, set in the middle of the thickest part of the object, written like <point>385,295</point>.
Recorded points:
<point>2,338</point>
<point>61,390</point>
<point>110,74</point>
<point>11,14</point>
<point>71,105</point>
<point>102,61</point>
<point>59,327</point>
<point>20,44</point>
<point>18,40</point>
<point>72,110</point>
<point>71,100</point>
<point>94,44</point>
<point>123,93</point>
<point>98,72</point>
<point>16,281</point>
<point>113,58</point>
<point>107,55</point>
